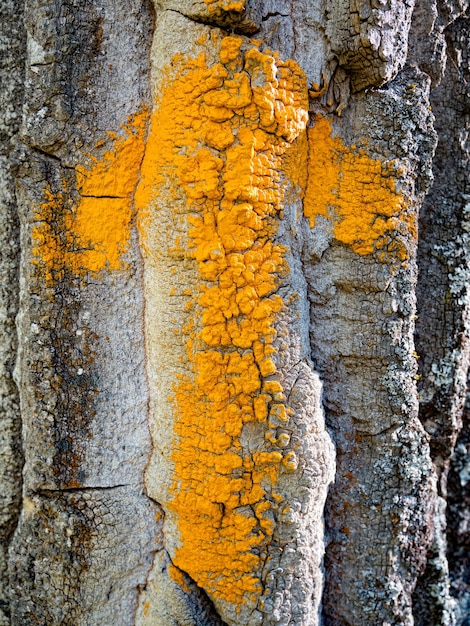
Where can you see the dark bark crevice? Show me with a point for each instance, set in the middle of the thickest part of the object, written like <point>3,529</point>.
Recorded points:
<point>90,488</point>
<point>229,21</point>
<point>442,334</point>
<point>12,71</point>
<point>202,607</point>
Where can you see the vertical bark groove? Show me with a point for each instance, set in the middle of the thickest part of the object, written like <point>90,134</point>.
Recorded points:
<point>442,332</point>
<point>12,68</point>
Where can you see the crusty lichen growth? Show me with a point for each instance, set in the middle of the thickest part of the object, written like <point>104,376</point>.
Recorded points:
<point>237,6</point>
<point>358,194</point>
<point>94,233</point>
<point>221,135</point>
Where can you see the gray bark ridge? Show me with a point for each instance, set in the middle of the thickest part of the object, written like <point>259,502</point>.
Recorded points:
<point>87,532</point>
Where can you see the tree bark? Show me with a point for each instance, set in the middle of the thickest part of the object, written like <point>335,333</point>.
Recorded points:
<point>234,326</point>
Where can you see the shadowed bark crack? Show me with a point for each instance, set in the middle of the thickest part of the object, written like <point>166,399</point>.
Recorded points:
<point>442,334</point>
<point>203,609</point>
<point>91,488</point>
<point>229,24</point>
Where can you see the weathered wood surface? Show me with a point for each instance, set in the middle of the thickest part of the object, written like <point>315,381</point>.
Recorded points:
<point>235,246</point>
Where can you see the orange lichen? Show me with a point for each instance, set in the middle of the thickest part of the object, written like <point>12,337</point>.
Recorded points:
<point>357,193</point>
<point>236,6</point>
<point>178,577</point>
<point>318,90</point>
<point>94,233</point>
<point>220,136</point>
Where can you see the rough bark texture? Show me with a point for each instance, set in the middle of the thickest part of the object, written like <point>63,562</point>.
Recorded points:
<point>362,341</point>
<point>235,241</point>
<point>458,535</point>
<point>442,336</point>
<point>87,533</point>
<point>12,52</point>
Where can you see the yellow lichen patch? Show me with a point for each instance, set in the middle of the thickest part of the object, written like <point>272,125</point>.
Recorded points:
<point>357,193</point>
<point>221,135</point>
<point>94,233</point>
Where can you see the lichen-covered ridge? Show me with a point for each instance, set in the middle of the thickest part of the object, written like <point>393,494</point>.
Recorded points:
<point>228,120</point>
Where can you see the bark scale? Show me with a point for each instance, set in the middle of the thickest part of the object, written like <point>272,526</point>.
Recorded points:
<point>223,228</point>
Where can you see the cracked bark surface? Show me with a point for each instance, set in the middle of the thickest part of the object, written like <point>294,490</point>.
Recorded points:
<point>235,244</point>
<point>12,46</point>
<point>442,329</point>
<point>81,379</point>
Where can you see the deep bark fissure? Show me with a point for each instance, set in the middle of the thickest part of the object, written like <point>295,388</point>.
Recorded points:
<point>91,488</point>
<point>208,615</point>
<point>442,338</point>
